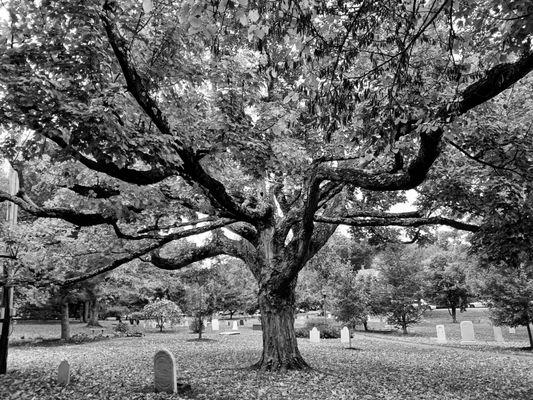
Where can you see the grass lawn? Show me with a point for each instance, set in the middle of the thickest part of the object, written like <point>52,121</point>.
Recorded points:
<point>425,331</point>
<point>381,367</point>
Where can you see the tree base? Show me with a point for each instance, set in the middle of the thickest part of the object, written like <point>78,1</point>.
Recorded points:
<point>273,365</point>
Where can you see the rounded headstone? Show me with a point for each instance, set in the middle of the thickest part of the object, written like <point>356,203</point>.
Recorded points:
<point>164,372</point>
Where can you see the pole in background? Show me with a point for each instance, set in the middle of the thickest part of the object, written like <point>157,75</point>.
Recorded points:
<point>7,293</point>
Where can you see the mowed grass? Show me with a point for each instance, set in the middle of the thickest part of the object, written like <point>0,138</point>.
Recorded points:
<point>425,331</point>
<point>380,367</point>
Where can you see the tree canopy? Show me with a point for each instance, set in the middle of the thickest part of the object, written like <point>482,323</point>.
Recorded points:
<point>263,123</point>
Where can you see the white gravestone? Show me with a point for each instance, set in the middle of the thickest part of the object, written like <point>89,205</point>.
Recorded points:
<point>512,330</point>
<point>186,322</point>
<point>314,335</point>
<point>467,332</point>
<point>345,335</point>
<point>215,326</point>
<point>498,335</point>
<point>63,373</point>
<point>164,372</point>
<point>235,326</point>
<point>441,334</point>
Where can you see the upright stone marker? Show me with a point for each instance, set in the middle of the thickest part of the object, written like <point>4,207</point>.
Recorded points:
<point>235,326</point>
<point>345,335</point>
<point>512,330</point>
<point>314,335</point>
<point>63,373</point>
<point>164,372</point>
<point>498,335</point>
<point>441,334</point>
<point>467,332</point>
<point>215,326</point>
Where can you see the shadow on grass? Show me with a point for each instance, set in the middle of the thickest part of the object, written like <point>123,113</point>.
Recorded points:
<point>57,342</point>
<point>184,389</point>
<point>202,340</point>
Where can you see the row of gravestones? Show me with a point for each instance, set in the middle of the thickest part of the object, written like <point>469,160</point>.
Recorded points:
<point>467,333</point>
<point>215,324</point>
<point>346,337</point>
<point>164,372</point>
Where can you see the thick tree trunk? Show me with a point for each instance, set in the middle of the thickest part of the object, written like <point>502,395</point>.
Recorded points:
<point>65,324</point>
<point>93,315</point>
<point>365,325</point>
<point>528,326</point>
<point>404,325</point>
<point>453,313</point>
<point>200,324</point>
<point>7,298</point>
<point>86,311</point>
<point>280,348</point>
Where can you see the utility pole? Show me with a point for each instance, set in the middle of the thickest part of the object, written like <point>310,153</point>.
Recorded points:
<point>7,293</point>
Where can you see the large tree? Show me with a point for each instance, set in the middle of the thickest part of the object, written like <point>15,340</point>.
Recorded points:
<point>270,119</point>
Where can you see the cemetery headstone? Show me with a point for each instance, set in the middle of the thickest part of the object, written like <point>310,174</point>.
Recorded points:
<point>512,330</point>
<point>441,334</point>
<point>467,332</point>
<point>241,322</point>
<point>215,326</point>
<point>345,335</point>
<point>235,326</point>
<point>63,373</point>
<point>164,372</point>
<point>187,323</point>
<point>314,335</point>
<point>498,335</point>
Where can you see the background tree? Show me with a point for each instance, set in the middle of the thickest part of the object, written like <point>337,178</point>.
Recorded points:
<point>446,282</point>
<point>510,297</point>
<point>165,101</point>
<point>358,297</point>
<point>401,271</point>
<point>201,296</point>
<point>162,311</point>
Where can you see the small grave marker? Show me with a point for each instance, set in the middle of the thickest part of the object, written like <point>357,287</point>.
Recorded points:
<point>215,326</point>
<point>467,332</point>
<point>345,335</point>
<point>512,330</point>
<point>241,322</point>
<point>441,334</point>
<point>314,335</point>
<point>235,326</point>
<point>164,372</point>
<point>498,335</point>
<point>63,373</point>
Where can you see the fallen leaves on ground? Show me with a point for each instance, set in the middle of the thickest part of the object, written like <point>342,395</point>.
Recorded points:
<point>121,368</point>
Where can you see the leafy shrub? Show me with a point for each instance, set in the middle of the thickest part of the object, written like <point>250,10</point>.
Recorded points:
<point>302,332</point>
<point>327,331</point>
<point>81,338</point>
<point>195,326</point>
<point>122,328</point>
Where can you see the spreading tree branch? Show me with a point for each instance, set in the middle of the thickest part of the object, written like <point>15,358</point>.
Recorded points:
<point>190,168</point>
<point>398,221</point>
